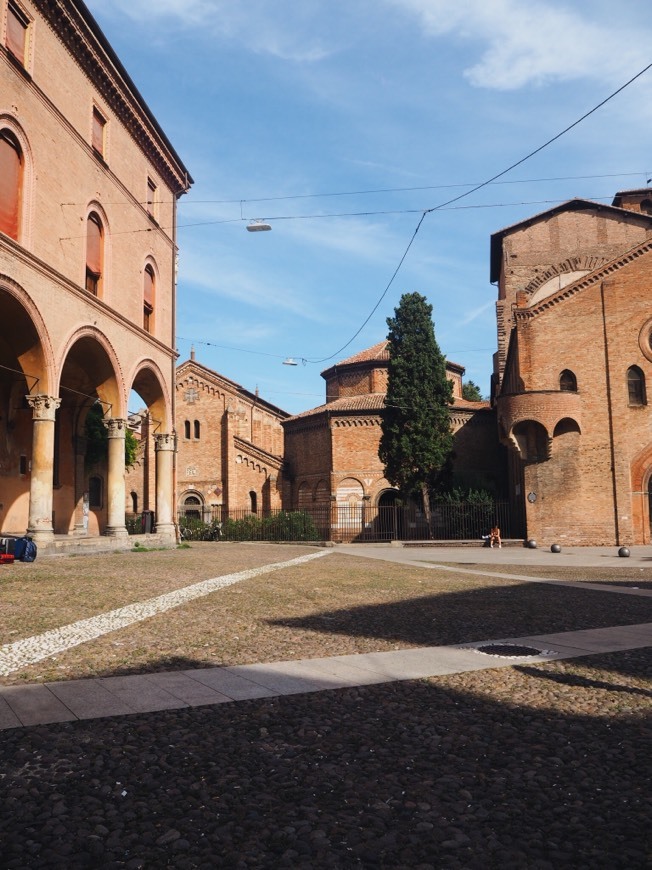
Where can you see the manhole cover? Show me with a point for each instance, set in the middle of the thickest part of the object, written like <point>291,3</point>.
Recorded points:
<point>509,649</point>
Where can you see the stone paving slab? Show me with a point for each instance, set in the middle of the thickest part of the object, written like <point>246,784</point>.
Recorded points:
<point>36,705</point>
<point>88,699</point>
<point>8,718</point>
<point>284,678</point>
<point>141,695</point>
<point>187,687</point>
<point>231,686</point>
<point>110,696</point>
<point>595,640</point>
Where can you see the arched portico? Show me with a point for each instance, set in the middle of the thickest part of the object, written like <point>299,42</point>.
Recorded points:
<point>90,378</point>
<point>26,375</point>
<point>154,476</point>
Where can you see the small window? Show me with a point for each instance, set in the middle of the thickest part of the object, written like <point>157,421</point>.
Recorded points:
<point>636,386</point>
<point>94,254</point>
<point>22,465</point>
<point>148,299</point>
<point>568,381</point>
<point>253,500</point>
<point>17,24</point>
<point>151,198</point>
<point>95,492</point>
<point>186,427</point>
<point>97,135</point>
<point>134,502</point>
<point>11,182</point>
<point>197,429</point>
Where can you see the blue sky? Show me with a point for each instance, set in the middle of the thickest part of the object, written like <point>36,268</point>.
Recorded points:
<point>339,122</point>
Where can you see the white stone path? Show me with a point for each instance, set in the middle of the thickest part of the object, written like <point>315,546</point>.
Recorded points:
<point>14,656</point>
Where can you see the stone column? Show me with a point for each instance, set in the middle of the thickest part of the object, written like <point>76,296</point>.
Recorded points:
<point>165,447</point>
<point>115,524</point>
<point>44,410</point>
<point>81,521</point>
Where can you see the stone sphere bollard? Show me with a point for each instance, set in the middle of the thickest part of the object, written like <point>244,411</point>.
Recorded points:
<point>555,548</point>
<point>623,552</point>
<point>532,544</point>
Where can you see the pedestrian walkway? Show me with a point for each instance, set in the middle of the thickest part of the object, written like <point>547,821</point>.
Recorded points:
<point>145,693</point>
<point>74,700</point>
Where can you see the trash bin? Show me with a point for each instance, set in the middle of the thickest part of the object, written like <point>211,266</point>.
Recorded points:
<point>148,521</point>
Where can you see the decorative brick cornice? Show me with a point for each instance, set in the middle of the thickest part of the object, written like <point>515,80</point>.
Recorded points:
<point>572,264</point>
<point>348,422</point>
<point>245,448</point>
<point>89,47</point>
<point>522,314</point>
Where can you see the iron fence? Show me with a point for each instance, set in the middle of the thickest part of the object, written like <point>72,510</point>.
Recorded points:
<point>350,523</point>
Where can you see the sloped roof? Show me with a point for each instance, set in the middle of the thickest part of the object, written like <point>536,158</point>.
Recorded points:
<point>201,370</point>
<point>374,402</point>
<point>570,205</point>
<point>364,402</point>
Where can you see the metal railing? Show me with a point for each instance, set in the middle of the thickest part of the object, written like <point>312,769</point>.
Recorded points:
<point>348,523</point>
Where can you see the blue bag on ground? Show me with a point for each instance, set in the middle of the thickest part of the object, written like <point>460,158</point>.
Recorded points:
<point>25,550</point>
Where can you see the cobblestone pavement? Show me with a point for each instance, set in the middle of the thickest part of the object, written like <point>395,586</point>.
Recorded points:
<point>539,764</point>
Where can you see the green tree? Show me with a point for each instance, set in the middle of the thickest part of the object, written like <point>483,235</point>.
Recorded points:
<point>97,439</point>
<point>416,439</point>
<point>471,392</point>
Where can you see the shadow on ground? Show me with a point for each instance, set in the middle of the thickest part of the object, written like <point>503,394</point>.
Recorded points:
<point>487,613</point>
<point>530,771</point>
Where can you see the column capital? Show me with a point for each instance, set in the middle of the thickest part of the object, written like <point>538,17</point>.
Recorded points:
<point>43,407</point>
<point>165,441</point>
<point>116,427</point>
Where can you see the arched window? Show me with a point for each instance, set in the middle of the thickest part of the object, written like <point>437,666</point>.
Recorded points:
<point>192,507</point>
<point>94,253</point>
<point>148,299</point>
<point>134,502</point>
<point>253,501</point>
<point>636,386</point>
<point>568,381</point>
<point>11,183</point>
<point>186,428</point>
<point>197,428</point>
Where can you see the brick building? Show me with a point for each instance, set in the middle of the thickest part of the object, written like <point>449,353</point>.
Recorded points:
<point>331,451</point>
<point>571,372</point>
<point>230,445</point>
<point>87,308</point>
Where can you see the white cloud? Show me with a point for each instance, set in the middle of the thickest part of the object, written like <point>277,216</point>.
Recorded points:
<point>285,29</point>
<point>535,42</point>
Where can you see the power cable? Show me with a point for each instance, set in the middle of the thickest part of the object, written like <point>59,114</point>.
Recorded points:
<point>474,190</point>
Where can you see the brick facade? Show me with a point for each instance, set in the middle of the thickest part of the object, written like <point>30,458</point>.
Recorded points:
<point>230,445</point>
<point>331,452</point>
<point>576,284</point>
<point>96,195</point>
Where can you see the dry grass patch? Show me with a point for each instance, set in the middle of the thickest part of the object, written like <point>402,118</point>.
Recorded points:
<point>335,605</point>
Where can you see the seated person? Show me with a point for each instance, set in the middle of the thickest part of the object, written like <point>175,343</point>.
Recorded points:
<point>494,537</point>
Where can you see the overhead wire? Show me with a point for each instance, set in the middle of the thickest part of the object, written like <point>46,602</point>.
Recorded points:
<point>474,190</point>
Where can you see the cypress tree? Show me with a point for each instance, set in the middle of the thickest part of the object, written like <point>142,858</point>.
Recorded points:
<point>416,438</point>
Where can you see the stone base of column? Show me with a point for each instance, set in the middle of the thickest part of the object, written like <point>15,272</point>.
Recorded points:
<point>166,530</point>
<point>116,532</point>
<point>40,536</point>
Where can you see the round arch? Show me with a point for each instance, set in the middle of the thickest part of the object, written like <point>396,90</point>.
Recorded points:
<point>192,504</point>
<point>147,380</point>
<point>89,368</point>
<point>26,346</point>
<point>641,478</point>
